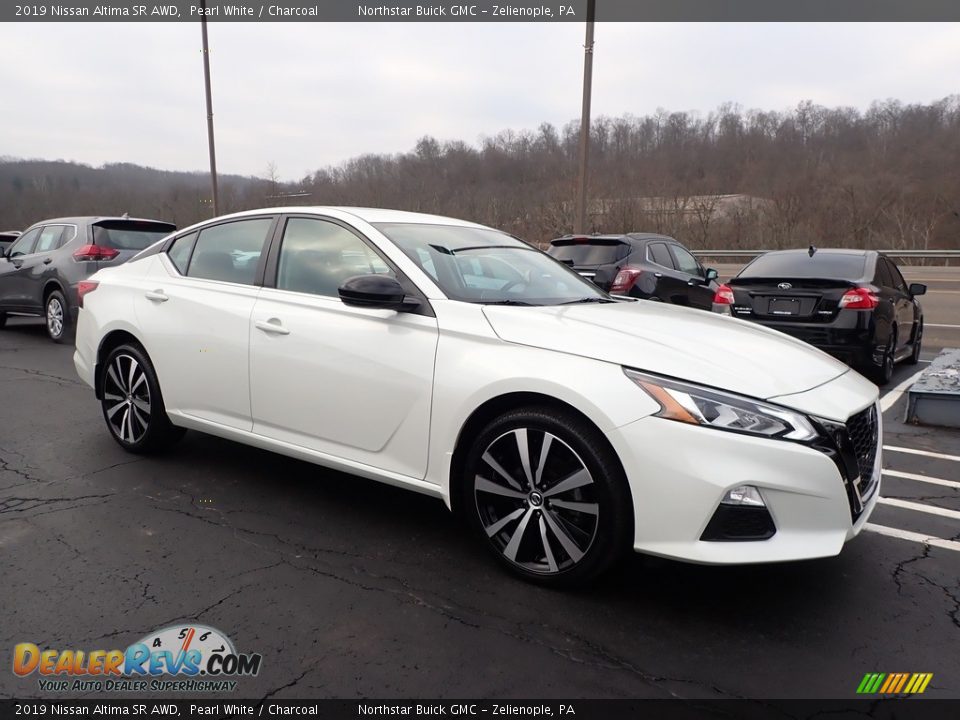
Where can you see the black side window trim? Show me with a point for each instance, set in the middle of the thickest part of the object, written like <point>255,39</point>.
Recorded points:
<point>271,266</point>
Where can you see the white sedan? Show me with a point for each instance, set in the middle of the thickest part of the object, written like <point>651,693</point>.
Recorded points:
<point>454,360</point>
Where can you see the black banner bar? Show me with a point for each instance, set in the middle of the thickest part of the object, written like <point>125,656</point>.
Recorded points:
<point>481,11</point>
<point>892,709</point>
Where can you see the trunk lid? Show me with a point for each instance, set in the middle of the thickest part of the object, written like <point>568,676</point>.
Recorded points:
<point>788,299</point>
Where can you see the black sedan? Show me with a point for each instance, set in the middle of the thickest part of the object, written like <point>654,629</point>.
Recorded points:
<point>642,265</point>
<point>852,304</point>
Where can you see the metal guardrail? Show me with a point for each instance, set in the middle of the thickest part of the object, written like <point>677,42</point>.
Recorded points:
<point>933,254</point>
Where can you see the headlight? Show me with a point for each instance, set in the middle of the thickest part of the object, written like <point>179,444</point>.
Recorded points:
<point>712,408</point>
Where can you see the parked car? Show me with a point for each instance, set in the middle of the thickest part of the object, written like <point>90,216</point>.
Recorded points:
<point>640,265</point>
<point>852,304</point>
<point>40,270</point>
<point>451,359</point>
<point>6,239</point>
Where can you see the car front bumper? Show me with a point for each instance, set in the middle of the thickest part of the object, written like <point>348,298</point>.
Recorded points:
<point>678,474</point>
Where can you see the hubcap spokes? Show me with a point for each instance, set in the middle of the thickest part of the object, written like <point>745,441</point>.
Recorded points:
<point>126,399</point>
<point>55,317</point>
<point>537,500</point>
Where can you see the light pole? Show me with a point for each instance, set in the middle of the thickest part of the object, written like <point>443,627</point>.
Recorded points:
<point>581,219</point>
<point>206,83</point>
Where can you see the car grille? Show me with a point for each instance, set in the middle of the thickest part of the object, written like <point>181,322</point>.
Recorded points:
<point>862,430</point>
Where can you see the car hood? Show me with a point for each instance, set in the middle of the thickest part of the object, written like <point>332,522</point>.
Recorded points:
<point>691,345</point>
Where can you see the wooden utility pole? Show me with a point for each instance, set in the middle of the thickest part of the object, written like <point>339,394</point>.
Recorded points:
<point>580,224</point>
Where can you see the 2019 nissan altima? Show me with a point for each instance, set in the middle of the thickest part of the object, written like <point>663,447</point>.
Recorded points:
<point>454,360</point>
<point>852,304</point>
<point>41,269</point>
<point>640,265</point>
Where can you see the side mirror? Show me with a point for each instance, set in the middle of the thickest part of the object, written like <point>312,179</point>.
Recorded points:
<point>918,289</point>
<point>710,275</point>
<point>375,292</point>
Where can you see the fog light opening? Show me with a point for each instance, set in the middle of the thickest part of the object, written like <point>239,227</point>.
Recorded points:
<point>743,496</point>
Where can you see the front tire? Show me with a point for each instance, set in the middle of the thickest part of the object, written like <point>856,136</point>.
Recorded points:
<point>57,316</point>
<point>547,496</point>
<point>132,404</point>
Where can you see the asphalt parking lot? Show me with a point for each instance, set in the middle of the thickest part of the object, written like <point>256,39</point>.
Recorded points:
<point>350,588</point>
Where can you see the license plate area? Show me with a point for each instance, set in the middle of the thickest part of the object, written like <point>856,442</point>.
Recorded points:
<point>784,306</point>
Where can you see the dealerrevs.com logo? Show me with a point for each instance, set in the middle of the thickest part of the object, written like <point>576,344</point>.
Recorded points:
<point>181,658</point>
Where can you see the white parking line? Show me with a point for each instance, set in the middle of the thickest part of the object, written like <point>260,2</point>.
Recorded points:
<point>937,325</point>
<point>925,453</point>
<point>920,507</point>
<point>912,536</point>
<point>923,478</point>
<point>891,397</point>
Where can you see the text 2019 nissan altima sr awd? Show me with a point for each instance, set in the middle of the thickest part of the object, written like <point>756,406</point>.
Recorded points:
<point>452,359</point>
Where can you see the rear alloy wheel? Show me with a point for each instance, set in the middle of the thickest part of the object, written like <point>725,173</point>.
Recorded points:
<point>132,404</point>
<point>548,496</point>
<point>917,344</point>
<point>57,316</point>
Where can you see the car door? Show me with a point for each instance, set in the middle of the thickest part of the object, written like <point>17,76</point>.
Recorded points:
<point>905,309</point>
<point>666,283</point>
<point>38,267</point>
<point>13,287</point>
<point>695,288</point>
<point>194,307</point>
<point>353,383</point>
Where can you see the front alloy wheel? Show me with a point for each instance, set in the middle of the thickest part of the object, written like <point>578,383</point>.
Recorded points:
<point>548,496</point>
<point>131,403</point>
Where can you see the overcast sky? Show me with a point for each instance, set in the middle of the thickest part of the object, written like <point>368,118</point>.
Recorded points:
<point>306,95</point>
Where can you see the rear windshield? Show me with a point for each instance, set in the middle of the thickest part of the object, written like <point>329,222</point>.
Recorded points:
<point>839,266</point>
<point>130,234</point>
<point>588,252</point>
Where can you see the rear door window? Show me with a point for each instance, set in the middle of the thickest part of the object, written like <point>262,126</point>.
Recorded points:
<point>230,252</point>
<point>881,278</point>
<point>659,254</point>
<point>896,278</point>
<point>50,238</point>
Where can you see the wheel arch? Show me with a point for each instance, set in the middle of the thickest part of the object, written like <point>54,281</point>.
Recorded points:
<point>48,287</point>
<point>110,341</point>
<point>498,405</point>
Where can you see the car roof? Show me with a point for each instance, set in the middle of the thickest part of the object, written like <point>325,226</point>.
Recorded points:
<point>81,219</point>
<point>825,251</point>
<point>619,236</point>
<point>370,215</point>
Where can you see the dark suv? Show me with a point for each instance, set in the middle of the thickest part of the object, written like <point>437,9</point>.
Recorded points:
<point>852,304</point>
<point>642,265</point>
<point>40,271</point>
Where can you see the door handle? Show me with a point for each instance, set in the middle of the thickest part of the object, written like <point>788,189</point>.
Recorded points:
<point>658,275</point>
<point>271,326</point>
<point>156,296</point>
<point>47,261</point>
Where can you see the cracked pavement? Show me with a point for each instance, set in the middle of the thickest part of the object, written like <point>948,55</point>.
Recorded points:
<point>354,589</point>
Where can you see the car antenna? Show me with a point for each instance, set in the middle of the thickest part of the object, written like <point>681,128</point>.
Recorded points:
<point>811,250</point>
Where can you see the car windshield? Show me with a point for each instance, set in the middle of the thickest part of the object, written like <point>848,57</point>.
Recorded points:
<point>840,266</point>
<point>486,266</point>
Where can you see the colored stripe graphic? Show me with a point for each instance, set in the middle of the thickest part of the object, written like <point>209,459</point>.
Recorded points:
<point>894,683</point>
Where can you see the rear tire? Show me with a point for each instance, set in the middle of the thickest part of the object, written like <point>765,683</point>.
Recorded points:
<point>881,375</point>
<point>917,345</point>
<point>132,404</point>
<point>562,515</point>
<point>56,313</point>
